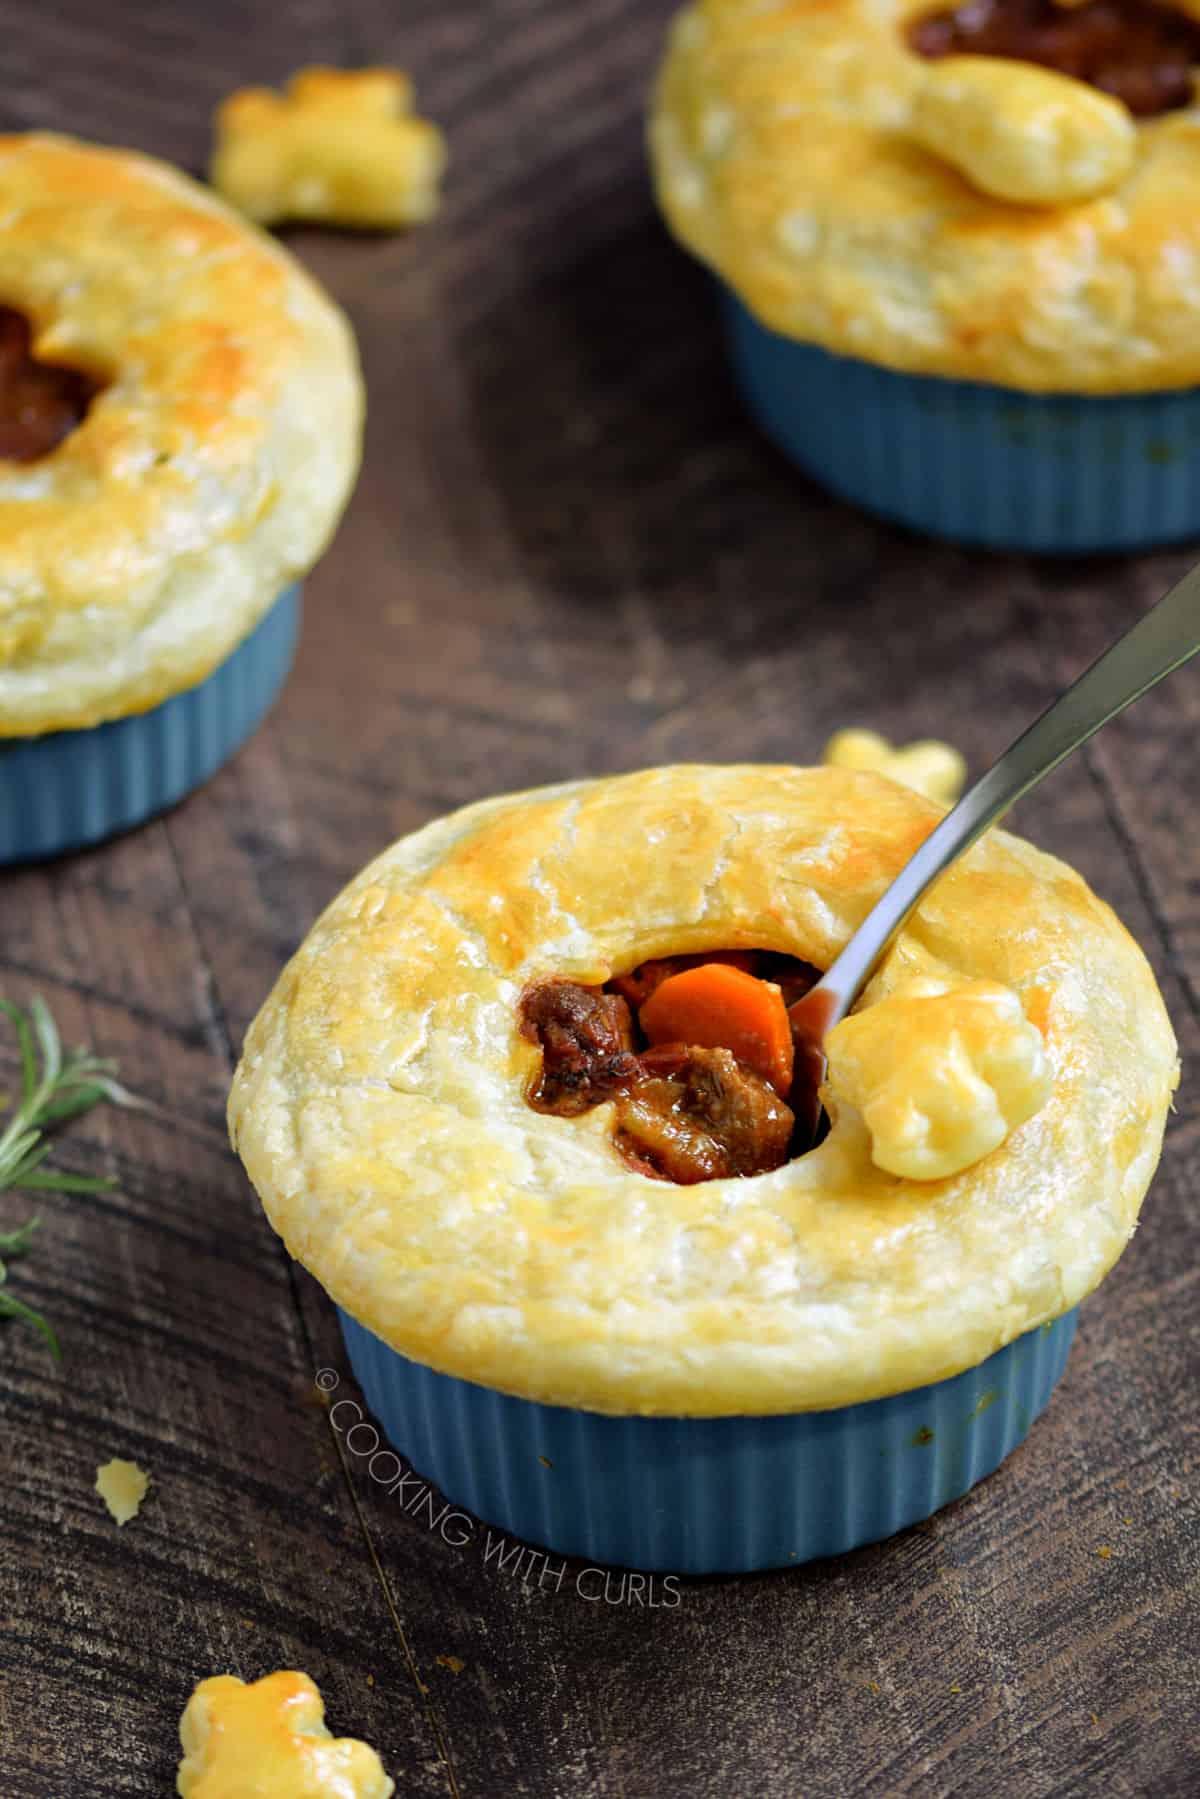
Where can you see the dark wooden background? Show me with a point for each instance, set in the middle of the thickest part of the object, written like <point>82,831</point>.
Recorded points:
<point>568,553</point>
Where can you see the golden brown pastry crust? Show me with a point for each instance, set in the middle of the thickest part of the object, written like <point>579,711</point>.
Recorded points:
<point>340,146</point>
<point>270,1740</point>
<point>380,1103</point>
<point>211,470</point>
<point>784,157</point>
<point>931,767</point>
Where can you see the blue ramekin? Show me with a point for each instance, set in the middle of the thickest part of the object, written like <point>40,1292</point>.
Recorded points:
<point>708,1495</point>
<point>70,788</point>
<point>1061,473</point>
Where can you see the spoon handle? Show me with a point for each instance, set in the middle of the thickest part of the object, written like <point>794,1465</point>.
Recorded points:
<point>1162,640</point>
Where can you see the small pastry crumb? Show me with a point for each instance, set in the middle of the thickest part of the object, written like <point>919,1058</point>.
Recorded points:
<point>336,147</point>
<point>122,1486</point>
<point>270,1739</point>
<point>927,766</point>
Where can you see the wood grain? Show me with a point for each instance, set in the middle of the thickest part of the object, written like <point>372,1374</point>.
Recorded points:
<point>568,553</point>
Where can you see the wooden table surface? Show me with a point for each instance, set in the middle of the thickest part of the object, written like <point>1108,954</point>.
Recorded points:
<point>568,553</point>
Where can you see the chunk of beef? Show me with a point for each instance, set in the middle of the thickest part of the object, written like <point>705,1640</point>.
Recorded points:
<point>701,1115</point>
<point>587,1045</point>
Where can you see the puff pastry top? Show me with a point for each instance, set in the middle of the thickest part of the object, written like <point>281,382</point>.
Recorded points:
<point>380,1103</point>
<point>208,473</point>
<point>975,218</point>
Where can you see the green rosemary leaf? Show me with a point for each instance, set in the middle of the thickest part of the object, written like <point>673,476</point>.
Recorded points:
<point>103,1075</point>
<point>15,1308</point>
<point>16,1153</point>
<point>16,1243</point>
<point>49,1042</point>
<point>55,1088</point>
<point>74,1101</point>
<point>29,1076</point>
<point>46,1180</point>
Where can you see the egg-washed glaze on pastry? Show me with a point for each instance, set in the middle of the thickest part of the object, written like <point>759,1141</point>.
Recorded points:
<point>933,768</point>
<point>269,1740</point>
<point>380,1106</point>
<point>941,1069</point>
<point>800,149</point>
<point>338,146</point>
<point>209,469</point>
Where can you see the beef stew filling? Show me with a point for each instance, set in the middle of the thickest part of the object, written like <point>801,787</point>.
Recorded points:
<point>686,1110</point>
<point>587,1045</point>
<point>1139,53</point>
<point>40,402</point>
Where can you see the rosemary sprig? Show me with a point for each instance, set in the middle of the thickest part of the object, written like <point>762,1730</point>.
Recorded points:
<point>56,1086</point>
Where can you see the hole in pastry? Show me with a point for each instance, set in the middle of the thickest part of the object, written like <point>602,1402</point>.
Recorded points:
<point>1140,53</point>
<point>695,1052</point>
<point>40,402</point>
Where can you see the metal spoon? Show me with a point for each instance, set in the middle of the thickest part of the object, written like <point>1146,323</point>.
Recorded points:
<point>1159,643</point>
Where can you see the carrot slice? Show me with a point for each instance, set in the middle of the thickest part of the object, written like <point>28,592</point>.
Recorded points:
<point>640,982</point>
<point>717,1006</point>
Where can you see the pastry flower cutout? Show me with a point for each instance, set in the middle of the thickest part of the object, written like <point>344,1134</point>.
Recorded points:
<point>269,1739</point>
<point>941,1071</point>
<point>929,767</point>
<point>1023,133</point>
<point>338,146</point>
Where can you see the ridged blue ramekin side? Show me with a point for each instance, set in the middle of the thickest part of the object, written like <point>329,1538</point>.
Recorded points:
<point>71,788</point>
<point>1059,473</point>
<point>708,1495</point>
